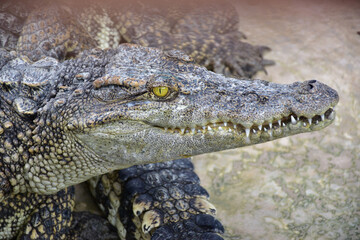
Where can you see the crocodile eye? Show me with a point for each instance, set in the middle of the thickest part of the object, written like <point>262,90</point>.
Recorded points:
<point>161,91</point>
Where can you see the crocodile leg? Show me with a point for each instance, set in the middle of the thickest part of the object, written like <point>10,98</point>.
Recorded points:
<point>157,201</point>
<point>34,216</point>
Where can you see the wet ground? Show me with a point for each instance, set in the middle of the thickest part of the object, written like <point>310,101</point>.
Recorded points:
<point>306,186</point>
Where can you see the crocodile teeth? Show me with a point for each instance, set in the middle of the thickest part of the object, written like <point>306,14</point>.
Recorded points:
<point>247,130</point>
<point>277,124</point>
<point>270,133</point>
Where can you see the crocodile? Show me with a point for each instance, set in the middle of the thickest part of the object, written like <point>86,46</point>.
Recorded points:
<point>65,122</point>
<point>205,30</point>
<point>107,201</point>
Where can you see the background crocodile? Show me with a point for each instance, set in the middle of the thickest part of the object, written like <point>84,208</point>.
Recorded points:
<point>205,30</point>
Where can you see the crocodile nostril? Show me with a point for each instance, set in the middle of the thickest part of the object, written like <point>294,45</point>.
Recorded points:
<point>311,84</point>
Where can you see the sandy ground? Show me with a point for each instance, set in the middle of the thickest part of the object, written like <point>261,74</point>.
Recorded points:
<point>306,186</point>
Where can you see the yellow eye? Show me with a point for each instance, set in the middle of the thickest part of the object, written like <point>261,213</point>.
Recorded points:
<point>160,91</point>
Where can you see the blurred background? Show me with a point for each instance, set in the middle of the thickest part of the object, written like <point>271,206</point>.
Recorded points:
<point>306,186</point>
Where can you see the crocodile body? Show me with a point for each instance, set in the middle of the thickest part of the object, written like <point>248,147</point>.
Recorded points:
<point>43,92</point>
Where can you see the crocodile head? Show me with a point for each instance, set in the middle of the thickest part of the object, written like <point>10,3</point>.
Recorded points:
<point>154,106</point>
<point>134,105</point>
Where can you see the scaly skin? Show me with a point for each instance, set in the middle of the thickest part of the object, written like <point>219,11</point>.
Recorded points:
<point>62,123</point>
<point>169,193</point>
<point>205,30</point>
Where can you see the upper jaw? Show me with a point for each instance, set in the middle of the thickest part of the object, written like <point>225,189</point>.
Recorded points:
<point>291,124</point>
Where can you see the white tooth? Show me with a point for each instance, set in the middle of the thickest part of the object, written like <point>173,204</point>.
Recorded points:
<point>204,127</point>
<point>214,124</point>
<point>284,125</point>
<point>254,131</point>
<point>166,129</point>
<point>270,125</point>
<point>304,124</point>
<point>317,122</point>
<point>182,130</point>
<point>332,115</point>
<point>260,127</point>
<point>220,128</point>
<point>279,122</point>
<point>293,120</point>
<point>310,120</point>
<point>265,129</point>
<point>209,128</point>
<point>298,118</point>
<point>193,130</point>
<point>322,117</point>
<point>235,126</point>
<point>225,124</point>
<point>247,130</point>
<point>230,130</point>
<point>270,133</point>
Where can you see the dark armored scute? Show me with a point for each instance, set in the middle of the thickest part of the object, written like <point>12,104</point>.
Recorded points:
<point>62,123</point>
